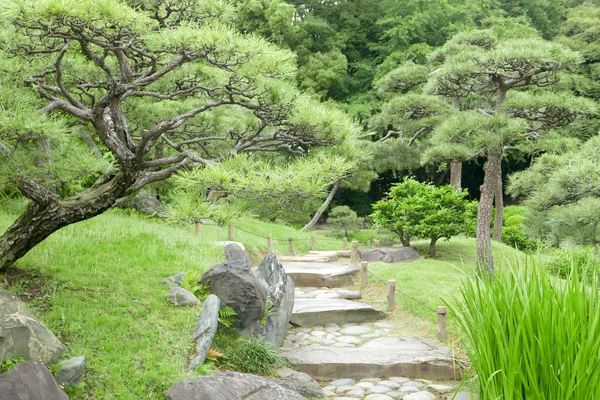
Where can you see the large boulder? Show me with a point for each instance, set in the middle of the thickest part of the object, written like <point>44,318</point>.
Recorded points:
<point>145,203</point>
<point>206,329</point>
<point>30,381</point>
<point>22,335</point>
<point>239,289</point>
<point>389,254</point>
<point>281,291</point>
<point>231,386</point>
<point>235,252</point>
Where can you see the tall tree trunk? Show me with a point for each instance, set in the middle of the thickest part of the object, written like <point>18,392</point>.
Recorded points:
<point>323,207</point>
<point>456,175</point>
<point>498,219</point>
<point>491,171</point>
<point>41,219</point>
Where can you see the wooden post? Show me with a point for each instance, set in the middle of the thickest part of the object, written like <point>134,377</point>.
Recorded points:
<point>364,274</point>
<point>199,228</point>
<point>291,245</point>
<point>345,243</point>
<point>231,230</point>
<point>313,242</point>
<point>391,296</point>
<point>354,252</point>
<point>375,243</point>
<point>441,328</point>
<point>270,243</point>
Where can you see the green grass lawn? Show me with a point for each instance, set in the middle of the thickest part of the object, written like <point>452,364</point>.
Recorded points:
<point>102,292</point>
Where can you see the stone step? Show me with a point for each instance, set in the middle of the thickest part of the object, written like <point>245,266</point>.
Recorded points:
<point>321,274</point>
<point>311,312</point>
<point>378,358</point>
<point>337,253</point>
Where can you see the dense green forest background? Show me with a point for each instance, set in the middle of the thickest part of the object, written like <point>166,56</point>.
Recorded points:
<point>344,48</point>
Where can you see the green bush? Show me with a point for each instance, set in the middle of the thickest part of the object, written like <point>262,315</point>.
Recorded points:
<point>515,220</point>
<point>514,236</point>
<point>581,258</point>
<point>344,219</point>
<point>529,337</point>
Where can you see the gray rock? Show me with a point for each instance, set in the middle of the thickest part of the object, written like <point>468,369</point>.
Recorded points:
<point>377,396</point>
<point>463,395</point>
<point>356,330</point>
<point>182,297</point>
<point>299,382</point>
<point>235,252</point>
<point>349,294</point>
<point>226,242</point>
<point>342,382</point>
<point>420,396</point>
<point>206,329</point>
<point>239,289</point>
<point>22,335</point>
<point>71,371</point>
<point>379,389</point>
<point>280,289</point>
<point>231,386</point>
<point>174,280</point>
<point>30,381</point>
<point>145,203</point>
<point>440,389</point>
<point>389,254</point>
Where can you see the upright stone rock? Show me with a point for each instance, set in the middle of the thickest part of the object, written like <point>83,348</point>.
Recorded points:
<point>389,254</point>
<point>22,335</point>
<point>235,252</point>
<point>30,381</point>
<point>239,289</point>
<point>231,386</point>
<point>175,280</point>
<point>281,291</point>
<point>71,371</point>
<point>206,329</point>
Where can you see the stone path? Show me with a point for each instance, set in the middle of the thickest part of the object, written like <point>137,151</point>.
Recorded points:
<point>335,337</point>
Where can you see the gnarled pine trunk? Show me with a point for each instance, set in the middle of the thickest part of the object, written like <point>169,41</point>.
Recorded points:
<point>491,170</point>
<point>41,219</point>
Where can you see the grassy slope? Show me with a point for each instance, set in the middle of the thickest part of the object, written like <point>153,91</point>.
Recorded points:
<point>106,300</point>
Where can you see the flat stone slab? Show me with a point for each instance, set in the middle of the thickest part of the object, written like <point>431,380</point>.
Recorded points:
<point>389,254</point>
<point>311,312</point>
<point>390,356</point>
<point>321,274</point>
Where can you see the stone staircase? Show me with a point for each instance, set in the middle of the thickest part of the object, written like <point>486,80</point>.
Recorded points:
<point>336,337</point>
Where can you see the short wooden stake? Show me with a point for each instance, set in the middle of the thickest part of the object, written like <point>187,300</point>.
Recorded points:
<point>354,252</point>
<point>231,230</point>
<point>291,245</point>
<point>364,274</point>
<point>313,242</point>
<point>199,228</point>
<point>375,243</point>
<point>391,296</point>
<point>345,243</point>
<point>441,328</point>
<point>270,243</point>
